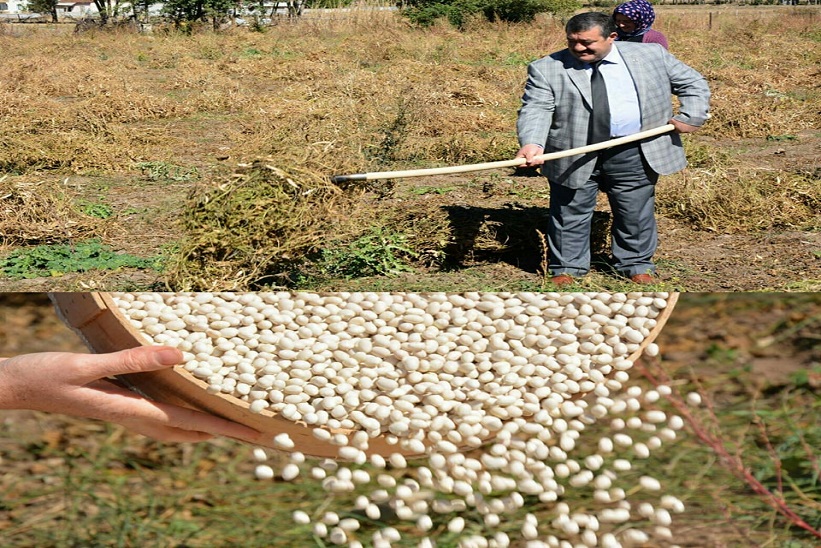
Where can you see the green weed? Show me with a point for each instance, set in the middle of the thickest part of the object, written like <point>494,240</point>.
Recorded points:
<point>394,133</point>
<point>251,52</point>
<point>379,252</point>
<point>722,354</point>
<point>804,379</point>
<point>97,210</point>
<point>59,259</point>
<point>163,171</point>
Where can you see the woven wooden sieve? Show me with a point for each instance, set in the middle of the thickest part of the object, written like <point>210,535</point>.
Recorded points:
<point>104,328</point>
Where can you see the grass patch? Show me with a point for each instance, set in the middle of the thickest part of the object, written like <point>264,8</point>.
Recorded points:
<point>121,494</point>
<point>378,252</point>
<point>59,259</point>
<point>163,171</point>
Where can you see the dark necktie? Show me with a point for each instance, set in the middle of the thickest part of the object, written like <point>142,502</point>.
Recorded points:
<point>600,117</point>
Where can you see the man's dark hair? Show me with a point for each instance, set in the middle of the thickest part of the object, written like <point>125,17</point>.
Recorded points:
<point>589,20</point>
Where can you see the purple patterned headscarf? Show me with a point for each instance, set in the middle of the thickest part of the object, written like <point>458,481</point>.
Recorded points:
<point>642,14</point>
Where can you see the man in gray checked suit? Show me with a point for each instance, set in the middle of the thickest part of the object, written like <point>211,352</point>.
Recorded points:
<point>557,114</point>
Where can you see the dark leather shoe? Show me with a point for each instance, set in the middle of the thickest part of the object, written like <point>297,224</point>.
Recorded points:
<point>561,280</point>
<point>643,279</point>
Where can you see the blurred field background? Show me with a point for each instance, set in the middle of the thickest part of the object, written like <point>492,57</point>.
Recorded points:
<point>755,357</point>
<point>203,161</point>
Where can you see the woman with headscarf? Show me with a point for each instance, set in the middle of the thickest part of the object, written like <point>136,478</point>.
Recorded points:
<point>633,20</point>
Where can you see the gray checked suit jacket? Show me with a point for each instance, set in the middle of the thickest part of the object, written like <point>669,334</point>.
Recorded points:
<point>555,108</point>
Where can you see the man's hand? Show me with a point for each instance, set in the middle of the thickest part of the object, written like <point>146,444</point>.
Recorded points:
<point>77,384</point>
<point>681,127</point>
<point>528,152</point>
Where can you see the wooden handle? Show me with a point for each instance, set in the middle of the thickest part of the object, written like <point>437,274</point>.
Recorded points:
<point>504,163</point>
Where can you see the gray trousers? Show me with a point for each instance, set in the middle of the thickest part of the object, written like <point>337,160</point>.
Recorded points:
<point>630,186</point>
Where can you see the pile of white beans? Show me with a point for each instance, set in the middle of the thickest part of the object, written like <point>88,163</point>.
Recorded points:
<point>492,391</point>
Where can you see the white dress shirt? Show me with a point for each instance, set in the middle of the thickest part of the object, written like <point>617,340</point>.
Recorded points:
<point>625,116</point>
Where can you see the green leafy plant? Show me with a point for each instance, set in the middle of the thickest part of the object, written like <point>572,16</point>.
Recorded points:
<point>98,210</point>
<point>379,252</point>
<point>55,260</point>
<point>163,171</point>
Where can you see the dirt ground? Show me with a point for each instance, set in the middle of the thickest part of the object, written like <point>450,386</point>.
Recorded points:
<point>512,203</point>
<point>505,207</point>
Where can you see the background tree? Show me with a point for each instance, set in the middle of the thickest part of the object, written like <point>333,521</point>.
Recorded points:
<point>141,9</point>
<point>458,12</point>
<point>109,9</point>
<point>185,12</point>
<point>45,7</point>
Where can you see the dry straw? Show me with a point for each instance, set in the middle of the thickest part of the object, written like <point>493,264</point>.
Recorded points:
<point>250,228</point>
<point>44,212</point>
<point>368,90</point>
<point>370,93</point>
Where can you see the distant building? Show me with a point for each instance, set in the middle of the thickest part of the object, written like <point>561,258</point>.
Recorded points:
<point>67,8</point>
<point>12,6</point>
<point>76,10</point>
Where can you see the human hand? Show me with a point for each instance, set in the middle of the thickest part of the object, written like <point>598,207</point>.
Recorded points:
<point>528,152</point>
<point>77,384</point>
<point>681,127</point>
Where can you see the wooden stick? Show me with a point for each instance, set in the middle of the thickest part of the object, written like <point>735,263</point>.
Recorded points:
<point>504,163</point>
